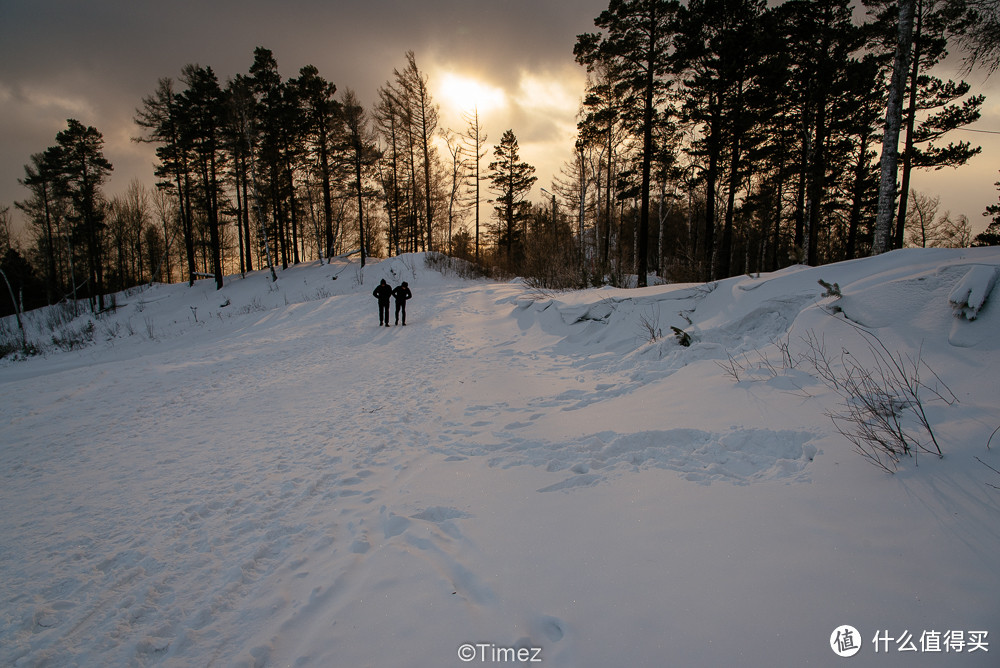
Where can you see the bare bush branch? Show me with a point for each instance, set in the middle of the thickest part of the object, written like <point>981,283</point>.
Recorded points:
<point>990,439</point>
<point>732,367</point>
<point>816,357</point>
<point>650,324</point>
<point>881,400</point>
<point>990,468</point>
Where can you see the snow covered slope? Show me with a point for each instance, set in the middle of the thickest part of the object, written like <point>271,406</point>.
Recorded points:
<point>263,477</point>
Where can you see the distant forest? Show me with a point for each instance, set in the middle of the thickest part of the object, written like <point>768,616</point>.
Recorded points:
<point>716,137</point>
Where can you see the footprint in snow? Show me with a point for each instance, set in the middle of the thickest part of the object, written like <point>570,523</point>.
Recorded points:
<point>393,524</point>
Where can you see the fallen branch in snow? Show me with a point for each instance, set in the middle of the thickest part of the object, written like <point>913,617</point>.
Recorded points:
<point>682,337</point>
<point>832,289</point>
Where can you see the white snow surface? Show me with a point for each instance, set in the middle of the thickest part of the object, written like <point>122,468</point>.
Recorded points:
<point>280,482</point>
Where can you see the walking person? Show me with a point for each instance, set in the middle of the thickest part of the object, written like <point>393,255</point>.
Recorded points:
<point>401,293</point>
<point>382,293</point>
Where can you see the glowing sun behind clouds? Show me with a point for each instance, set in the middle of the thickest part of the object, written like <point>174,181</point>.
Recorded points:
<point>460,93</point>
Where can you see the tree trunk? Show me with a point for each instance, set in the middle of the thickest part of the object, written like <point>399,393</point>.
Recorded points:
<point>724,261</point>
<point>735,165</point>
<point>714,149</point>
<point>816,181</point>
<point>911,117</point>
<point>245,216</point>
<point>857,198</point>
<point>293,210</point>
<point>890,138</point>
<point>53,283</point>
<point>361,218</point>
<point>642,234</point>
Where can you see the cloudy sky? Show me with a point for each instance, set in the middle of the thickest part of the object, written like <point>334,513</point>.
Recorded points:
<point>94,61</point>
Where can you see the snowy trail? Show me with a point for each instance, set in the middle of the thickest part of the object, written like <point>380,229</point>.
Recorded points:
<point>245,508</point>
<point>296,486</point>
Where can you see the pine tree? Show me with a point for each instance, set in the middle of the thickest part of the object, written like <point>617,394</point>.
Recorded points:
<point>981,42</point>
<point>721,55</point>
<point>268,118</point>
<point>604,135</point>
<point>511,182</point>
<point>867,105</point>
<point>322,116</point>
<point>45,211</point>
<point>202,104</point>
<point>991,235</point>
<point>81,169</point>
<point>238,98</point>
<point>160,116</point>
<point>820,39</point>
<point>636,45</point>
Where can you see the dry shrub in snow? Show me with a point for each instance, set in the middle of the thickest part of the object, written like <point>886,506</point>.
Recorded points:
<point>883,399</point>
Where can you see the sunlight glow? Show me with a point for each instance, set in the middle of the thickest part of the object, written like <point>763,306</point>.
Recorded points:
<point>463,93</point>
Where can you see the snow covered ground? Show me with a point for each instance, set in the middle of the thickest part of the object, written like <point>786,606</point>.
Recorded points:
<point>280,482</point>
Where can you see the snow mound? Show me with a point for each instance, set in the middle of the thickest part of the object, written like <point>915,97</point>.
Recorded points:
<point>971,293</point>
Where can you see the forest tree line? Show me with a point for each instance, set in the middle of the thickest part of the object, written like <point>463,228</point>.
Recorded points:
<point>716,137</point>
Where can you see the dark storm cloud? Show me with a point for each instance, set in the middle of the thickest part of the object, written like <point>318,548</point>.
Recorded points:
<point>94,61</point>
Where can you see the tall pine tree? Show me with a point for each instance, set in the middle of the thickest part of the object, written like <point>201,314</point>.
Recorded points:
<point>635,44</point>
<point>511,181</point>
<point>81,170</point>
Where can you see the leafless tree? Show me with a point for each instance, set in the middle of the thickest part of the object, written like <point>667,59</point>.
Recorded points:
<point>929,230</point>
<point>474,142</point>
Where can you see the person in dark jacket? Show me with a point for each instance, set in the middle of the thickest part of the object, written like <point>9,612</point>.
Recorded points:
<point>382,293</point>
<point>401,293</point>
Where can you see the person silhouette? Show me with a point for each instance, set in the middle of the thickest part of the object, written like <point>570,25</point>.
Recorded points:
<point>401,293</point>
<point>382,293</point>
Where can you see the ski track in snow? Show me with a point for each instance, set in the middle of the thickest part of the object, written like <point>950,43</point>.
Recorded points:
<point>294,511</point>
